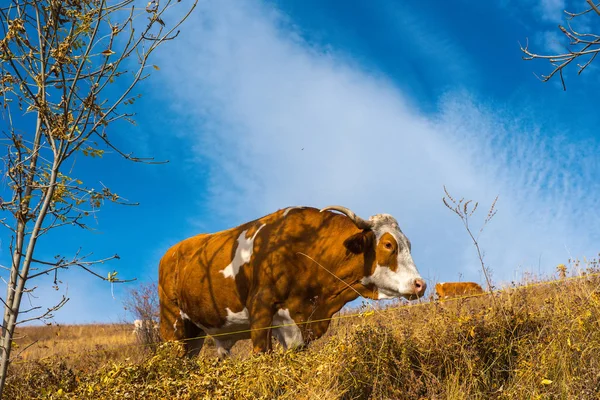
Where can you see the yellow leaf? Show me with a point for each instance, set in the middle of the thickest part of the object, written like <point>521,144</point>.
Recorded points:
<point>108,52</point>
<point>155,67</point>
<point>368,313</point>
<point>546,381</point>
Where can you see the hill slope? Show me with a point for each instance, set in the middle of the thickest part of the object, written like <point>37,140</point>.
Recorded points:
<point>522,343</point>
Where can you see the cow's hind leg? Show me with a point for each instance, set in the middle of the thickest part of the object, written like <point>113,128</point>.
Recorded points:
<point>194,338</point>
<point>174,327</point>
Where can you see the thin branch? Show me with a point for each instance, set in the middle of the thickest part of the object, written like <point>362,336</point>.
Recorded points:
<point>48,313</point>
<point>593,6</point>
<point>582,45</point>
<point>21,351</point>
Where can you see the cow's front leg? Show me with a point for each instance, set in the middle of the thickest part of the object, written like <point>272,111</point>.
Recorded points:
<point>261,319</point>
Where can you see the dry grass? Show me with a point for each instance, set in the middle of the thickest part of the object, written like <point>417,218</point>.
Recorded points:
<point>73,340</point>
<point>541,342</point>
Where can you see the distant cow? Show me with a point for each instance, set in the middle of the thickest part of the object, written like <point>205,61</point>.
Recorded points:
<point>140,326</point>
<point>285,269</point>
<point>446,290</point>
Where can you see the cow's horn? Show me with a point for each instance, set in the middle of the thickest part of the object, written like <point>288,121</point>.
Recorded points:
<point>358,221</point>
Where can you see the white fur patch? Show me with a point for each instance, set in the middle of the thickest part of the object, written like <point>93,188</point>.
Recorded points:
<point>233,322</point>
<point>243,253</point>
<point>184,315</point>
<point>382,296</point>
<point>392,284</point>
<point>238,318</point>
<point>290,335</point>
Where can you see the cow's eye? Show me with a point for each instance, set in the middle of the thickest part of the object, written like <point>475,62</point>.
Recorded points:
<point>388,245</point>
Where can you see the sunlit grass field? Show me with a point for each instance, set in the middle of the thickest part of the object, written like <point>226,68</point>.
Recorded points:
<point>534,340</point>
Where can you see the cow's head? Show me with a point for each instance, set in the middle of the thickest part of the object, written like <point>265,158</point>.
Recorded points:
<point>393,272</point>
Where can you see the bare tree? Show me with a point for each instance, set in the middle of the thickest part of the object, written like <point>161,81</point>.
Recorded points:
<point>583,47</point>
<point>67,69</point>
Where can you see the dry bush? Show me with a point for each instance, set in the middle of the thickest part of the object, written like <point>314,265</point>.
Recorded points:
<point>539,341</point>
<point>142,303</point>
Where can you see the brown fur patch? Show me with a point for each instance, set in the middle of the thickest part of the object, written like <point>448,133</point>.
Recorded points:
<point>455,289</point>
<point>387,252</point>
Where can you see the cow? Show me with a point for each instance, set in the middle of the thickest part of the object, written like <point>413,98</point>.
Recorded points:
<point>446,290</point>
<point>144,325</point>
<point>285,274</point>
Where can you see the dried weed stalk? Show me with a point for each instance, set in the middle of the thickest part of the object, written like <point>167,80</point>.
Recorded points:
<point>464,210</point>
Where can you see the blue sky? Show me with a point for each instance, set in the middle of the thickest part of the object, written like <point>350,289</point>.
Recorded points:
<point>259,105</point>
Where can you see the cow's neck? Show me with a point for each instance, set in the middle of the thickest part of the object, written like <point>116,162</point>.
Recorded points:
<point>338,292</point>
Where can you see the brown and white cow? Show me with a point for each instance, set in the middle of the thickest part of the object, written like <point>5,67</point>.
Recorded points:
<point>288,268</point>
<point>446,290</point>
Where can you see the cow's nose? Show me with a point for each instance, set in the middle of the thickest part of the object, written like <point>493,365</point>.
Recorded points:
<point>420,287</point>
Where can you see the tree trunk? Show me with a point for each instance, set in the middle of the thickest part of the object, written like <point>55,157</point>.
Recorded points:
<point>12,307</point>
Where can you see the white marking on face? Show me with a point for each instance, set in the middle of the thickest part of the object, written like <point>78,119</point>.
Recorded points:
<point>243,253</point>
<point>390,283</point>
<point>381,296</point>
<point>287,210</point>
<point>290,335</point>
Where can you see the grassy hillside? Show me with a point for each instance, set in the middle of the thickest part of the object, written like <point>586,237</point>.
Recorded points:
<point>542,341</point>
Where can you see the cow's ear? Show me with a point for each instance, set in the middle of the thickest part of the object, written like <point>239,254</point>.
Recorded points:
<point>356,243</point>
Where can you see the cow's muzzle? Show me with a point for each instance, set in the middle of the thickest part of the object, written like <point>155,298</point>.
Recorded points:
<point>419,288</point>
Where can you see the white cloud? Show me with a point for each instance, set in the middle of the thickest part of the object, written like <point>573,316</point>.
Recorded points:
<point>552,10</point>
<point>286,124</point>
<point>553,42</point>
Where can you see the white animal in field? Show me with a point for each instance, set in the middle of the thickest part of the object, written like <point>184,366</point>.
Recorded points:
<point>140,326</point>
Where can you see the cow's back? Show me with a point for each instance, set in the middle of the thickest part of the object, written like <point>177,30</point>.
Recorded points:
<point>207,277</point>
<point>457,289</point>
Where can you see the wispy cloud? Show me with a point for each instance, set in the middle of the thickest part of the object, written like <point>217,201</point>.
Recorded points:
<point>553,42</point>
<point>274,121</point>
<point>552,10</point>
<point>285,123</point>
